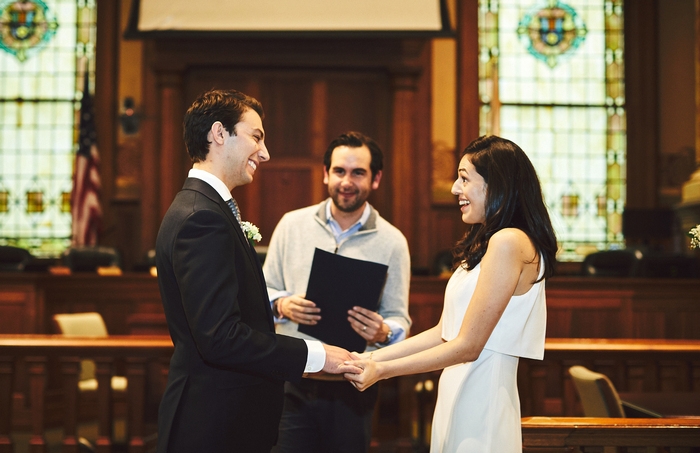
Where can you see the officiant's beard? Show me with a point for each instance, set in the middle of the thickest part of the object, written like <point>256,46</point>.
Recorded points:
<point>351,205</point>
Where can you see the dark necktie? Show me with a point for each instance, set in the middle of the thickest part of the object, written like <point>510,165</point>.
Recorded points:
<point>234,208</point>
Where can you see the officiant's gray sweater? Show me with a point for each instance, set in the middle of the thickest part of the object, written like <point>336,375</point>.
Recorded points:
<point>289,256</point>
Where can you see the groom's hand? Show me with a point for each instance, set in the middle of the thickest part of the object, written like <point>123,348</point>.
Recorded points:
<point>336,359</point>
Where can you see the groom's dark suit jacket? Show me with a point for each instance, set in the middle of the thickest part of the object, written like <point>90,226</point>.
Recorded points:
<point>225,384</point>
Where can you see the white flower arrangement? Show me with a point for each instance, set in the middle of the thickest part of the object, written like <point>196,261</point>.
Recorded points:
<point>694,235</point>
<point>251,232</point>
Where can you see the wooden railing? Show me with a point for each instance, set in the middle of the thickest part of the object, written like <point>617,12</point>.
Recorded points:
<point>598,435</point>
<point>39,375</point>
<point>634,366</point>
<point>33,365</point>
<point>666,370</point>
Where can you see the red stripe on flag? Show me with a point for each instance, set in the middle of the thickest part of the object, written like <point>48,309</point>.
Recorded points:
<point>85,199</point>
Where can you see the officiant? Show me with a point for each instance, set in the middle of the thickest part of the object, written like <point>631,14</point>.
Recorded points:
<point>328,414</point>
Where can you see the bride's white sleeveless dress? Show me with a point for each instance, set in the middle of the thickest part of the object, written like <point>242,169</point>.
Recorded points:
<point>478,408</point>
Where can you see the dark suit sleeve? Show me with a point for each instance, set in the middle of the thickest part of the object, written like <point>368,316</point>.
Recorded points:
<point>224,301</point>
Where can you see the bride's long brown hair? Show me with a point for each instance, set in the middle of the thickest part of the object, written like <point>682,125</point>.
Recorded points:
<point>513,200</point>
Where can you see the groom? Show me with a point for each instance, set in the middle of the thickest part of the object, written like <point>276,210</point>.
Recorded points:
<point>225,384</point>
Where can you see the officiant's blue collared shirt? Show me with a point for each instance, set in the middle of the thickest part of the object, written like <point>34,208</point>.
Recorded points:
<point>338,232</point>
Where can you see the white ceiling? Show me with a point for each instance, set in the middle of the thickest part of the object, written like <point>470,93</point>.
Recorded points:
<point>289,15</point>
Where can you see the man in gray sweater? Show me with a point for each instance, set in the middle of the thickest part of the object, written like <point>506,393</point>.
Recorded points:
<point>323,414</point>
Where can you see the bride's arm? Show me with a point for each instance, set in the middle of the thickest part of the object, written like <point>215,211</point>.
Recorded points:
<point>411,345</point>
<point>501,267</point>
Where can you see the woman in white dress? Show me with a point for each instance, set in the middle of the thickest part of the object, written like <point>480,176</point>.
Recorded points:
<point>494,309</point>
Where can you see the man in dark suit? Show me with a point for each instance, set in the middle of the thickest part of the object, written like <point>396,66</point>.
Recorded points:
<point>225,384</point>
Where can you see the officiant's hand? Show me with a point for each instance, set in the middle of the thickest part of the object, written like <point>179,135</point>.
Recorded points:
<point>298,309</point>
<point>368,324</point>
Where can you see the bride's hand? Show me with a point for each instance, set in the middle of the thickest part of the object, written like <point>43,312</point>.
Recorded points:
<point>368,376</point>
<point>363,355</point>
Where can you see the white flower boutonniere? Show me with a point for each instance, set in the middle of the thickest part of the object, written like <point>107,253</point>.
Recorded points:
<point>251,232</point>
<point>694,235</point>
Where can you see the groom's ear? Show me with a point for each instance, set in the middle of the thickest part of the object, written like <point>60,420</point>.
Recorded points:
<point>217,133</point>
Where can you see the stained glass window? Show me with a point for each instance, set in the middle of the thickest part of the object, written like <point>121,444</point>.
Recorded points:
<point>551,79</point>
<point>46,47</point>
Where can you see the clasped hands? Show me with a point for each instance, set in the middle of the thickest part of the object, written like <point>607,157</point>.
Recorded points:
<point>368,375</point>
<point>358,369</point>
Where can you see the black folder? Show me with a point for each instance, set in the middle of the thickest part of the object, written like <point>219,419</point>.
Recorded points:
<point>336,284</point>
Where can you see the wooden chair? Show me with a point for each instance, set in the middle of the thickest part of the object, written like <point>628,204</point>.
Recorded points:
<point>600,399</point>
<point>89,259</point>
<point>612,263</point>
<point>88,324</point>
<point>91,324</point>
<point>13,259</point>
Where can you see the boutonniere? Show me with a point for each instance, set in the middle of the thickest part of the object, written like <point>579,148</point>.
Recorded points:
<point>694,235</point>
<point>251,232</point>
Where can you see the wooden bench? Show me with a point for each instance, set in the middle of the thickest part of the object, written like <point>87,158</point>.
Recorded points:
<point>404,411</point>
<point>646,370</point>
<point>635,366</point>
<point>27,363</point>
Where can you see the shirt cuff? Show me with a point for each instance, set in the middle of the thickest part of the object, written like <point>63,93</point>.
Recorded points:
<point>399,333</point>
<point>316,358</point>
<point>273,297</point>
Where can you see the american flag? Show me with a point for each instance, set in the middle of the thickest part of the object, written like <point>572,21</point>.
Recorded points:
<point>85,198</point>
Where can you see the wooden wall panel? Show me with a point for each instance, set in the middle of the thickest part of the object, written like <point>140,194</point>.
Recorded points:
<point>446,229</point>
<point>582,307</point>
<point>680,318</point>
<point>642,102</point>
<point>688,321</point>
<point>311,90</point>
<point>195,60</point>
<point>287,99</point>
<point>402,160</point>
<point>199,80</point>
<point>149,182</point>
<point>468,103</point>
<point>651,321</point>
<point>304,111</point>
<point>619,308</point>
<point>115,298</point>
<point>359,101</point>
<point>283,189</point>
<point>589,313</point>
<point>106,108</point>
<point>18,308</point>
<point>173,158</point>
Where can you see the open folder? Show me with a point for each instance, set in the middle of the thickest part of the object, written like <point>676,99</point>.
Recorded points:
<point>336,284</point>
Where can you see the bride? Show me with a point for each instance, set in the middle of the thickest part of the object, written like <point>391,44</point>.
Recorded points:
<point>494,310</point>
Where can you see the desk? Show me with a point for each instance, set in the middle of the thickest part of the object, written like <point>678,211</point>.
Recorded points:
<point>590,307</point>
<point>577,307</point>
<point>29,300</point>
